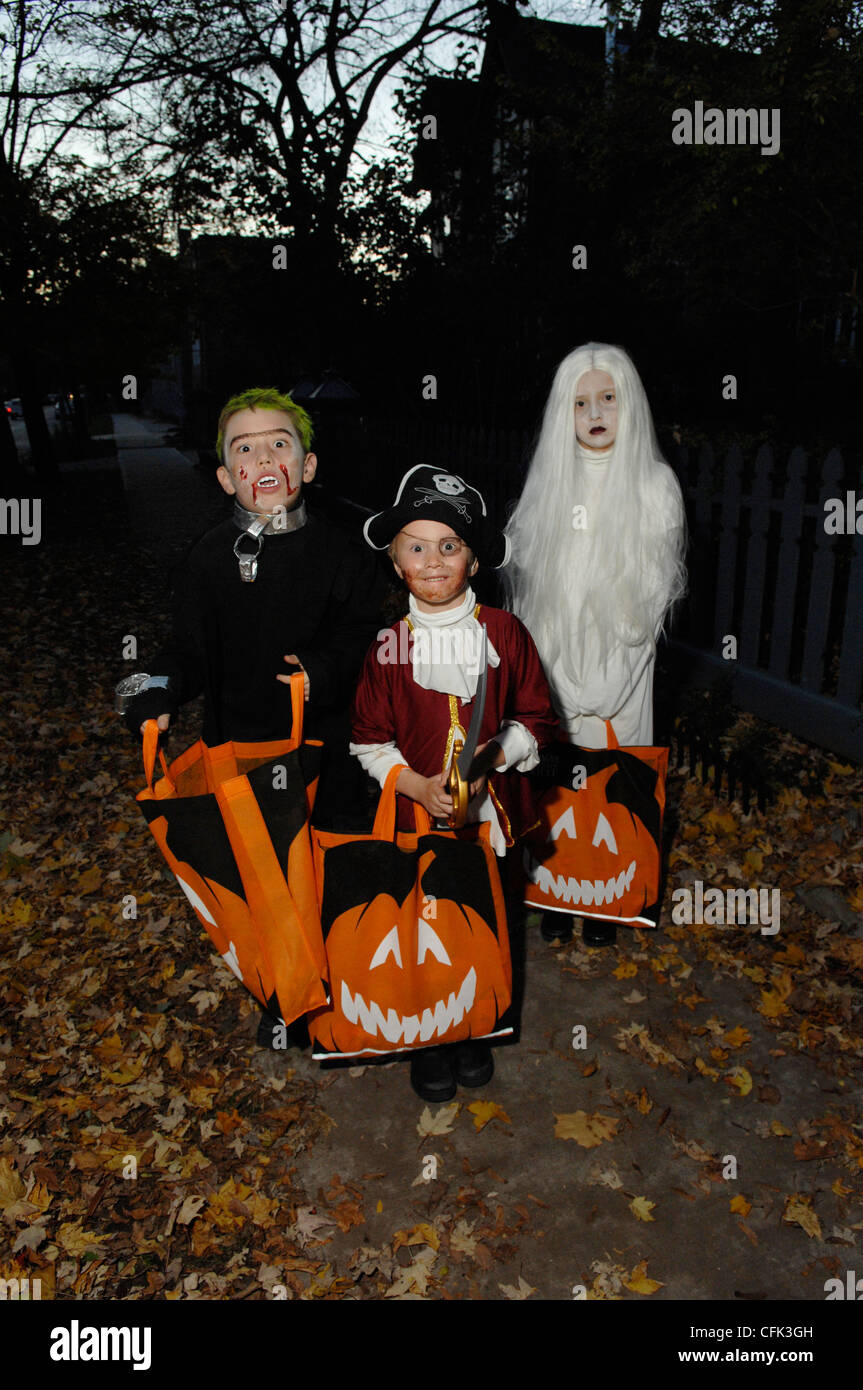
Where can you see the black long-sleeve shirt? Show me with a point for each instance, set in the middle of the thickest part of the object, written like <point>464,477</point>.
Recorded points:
<point>317,595</point>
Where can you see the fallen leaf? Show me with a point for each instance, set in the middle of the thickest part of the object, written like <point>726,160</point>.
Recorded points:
<point>204,999</point>
<point>90,880</point>
<point>693,1150</point>
<point>701,1065</point>
<point>461,1239</point>
<point>609,1279</point>
<point>641,1100</point>
<point>415,1277</point>
<point>740,1205</point>
<point>201,1096</point>
<point>740,1078</point>
<point>656,1053</point>
<point>586,1130</point>
<point>307,1223</point>
<point>226,1123</point>
<point>129,1072</point>
<point>641,1208</point>
<point>440,1123</point>
<point>638,1281</point>
<point>189,1210</point>
<point>485,1110</point>
<point>368,1260</point>
<point>773,1003</point>
<point>798,1212</point>
<point>519,1291</point>
<point>348,1213</point>
<point>20,848</point>
<point>30,1238</point>
<point>721,822</point>
<point>421,1234</point>
<point>606,1177</point>
<point>11,1186</point>
<point>39,1197</point>
<point>625,970</point>
<point>76,1241</point>
<point>807,1149</point>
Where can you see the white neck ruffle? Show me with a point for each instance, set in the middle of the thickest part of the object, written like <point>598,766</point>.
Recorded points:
<point>447,647</point>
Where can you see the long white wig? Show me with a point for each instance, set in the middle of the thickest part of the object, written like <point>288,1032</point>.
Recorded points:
<point>621,575</point>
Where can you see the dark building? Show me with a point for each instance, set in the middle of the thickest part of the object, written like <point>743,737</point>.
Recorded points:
<point>701,261</point>
<point>493,167</point>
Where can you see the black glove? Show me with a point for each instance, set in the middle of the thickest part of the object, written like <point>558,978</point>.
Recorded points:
<point>148,705</point>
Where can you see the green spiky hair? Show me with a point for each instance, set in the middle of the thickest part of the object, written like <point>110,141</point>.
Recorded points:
<point>264,398</point>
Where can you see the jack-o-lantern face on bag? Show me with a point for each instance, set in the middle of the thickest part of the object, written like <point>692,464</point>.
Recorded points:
<point>410,966</point>
<point>597,849</point>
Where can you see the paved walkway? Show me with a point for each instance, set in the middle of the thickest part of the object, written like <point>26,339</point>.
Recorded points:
<point>170,498</point>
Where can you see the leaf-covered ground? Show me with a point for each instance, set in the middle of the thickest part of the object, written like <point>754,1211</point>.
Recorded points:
<point>704,1141</point>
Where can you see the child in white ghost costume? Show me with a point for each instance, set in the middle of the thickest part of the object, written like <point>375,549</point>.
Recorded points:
<point>598,539</point>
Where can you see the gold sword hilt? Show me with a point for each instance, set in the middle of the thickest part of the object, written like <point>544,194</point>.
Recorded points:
<point>458,789</point>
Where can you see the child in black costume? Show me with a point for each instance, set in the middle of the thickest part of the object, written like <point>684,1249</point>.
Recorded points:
<point>275,589</point>
<point>313,603</point>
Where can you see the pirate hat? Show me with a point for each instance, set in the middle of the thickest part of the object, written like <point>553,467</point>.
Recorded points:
<point>427,494</point>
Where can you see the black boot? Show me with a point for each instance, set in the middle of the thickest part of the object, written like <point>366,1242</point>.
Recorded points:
<point>472,1063</point>
<point>556,926</point>
<point>596,931</point>
<point>431,1074</point>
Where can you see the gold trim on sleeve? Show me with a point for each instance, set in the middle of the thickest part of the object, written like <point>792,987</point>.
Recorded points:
<point>507,828</point>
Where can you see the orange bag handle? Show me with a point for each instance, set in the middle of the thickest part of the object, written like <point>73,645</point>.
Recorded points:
<point>151,732</point>
<point>298,707</point>
<point>294,951</point>
<point>610,735</point>
<point>151,743</point>
<point>385,819</point>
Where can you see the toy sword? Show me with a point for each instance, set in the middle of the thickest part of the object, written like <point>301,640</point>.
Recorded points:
<point>458,785</point>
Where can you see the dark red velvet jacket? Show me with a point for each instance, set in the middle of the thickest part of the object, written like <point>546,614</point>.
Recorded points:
<point>389,705</point>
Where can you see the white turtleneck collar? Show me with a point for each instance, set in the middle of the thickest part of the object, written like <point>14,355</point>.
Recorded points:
<point>598,458</point>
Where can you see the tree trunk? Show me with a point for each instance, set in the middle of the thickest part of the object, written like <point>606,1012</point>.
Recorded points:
<point>9,468</point>
<point>41,448</point>
<point>647,28</point>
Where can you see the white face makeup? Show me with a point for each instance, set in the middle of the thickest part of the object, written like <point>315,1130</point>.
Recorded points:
<point>264,457</point>
<point>595,410</point>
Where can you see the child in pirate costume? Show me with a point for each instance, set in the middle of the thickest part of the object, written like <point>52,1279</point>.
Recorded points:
<point>417,687</point>
<point>275,589</point>
<point>598,539</point>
